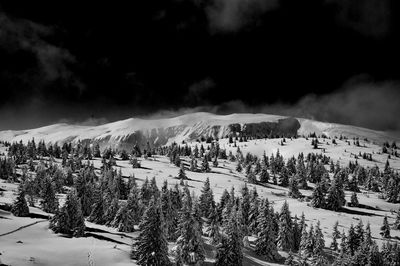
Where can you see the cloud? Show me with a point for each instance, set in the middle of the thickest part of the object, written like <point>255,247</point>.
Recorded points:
<point>199,91</point>
<point>232,15</point>
<point>52,62</point>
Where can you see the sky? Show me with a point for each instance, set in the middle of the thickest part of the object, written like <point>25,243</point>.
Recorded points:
<point>331,60</point>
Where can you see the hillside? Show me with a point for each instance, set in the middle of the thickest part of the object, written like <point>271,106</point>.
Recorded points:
<point>157,132</point>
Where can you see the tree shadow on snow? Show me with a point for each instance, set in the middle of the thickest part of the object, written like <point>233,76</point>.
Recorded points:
<point>355,212</point>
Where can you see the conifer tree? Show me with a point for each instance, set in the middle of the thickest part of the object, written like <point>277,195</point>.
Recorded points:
<point>239,167</point>
<point>335,236</point>
<point>190,248</point>
<point>354,200</point>
<point>293,189</point>
<point>98,208</point>
<point>385,229</point>
<point>285,233</point>
<point>397,222</point>
<point>213,230</point>
<point>169,213</point>
<point>151,247</point>
<point>230,250</point>
<point>296,234</point>
<point>318,197</point>
<point>111,211</point>
<point>264,175</point>
<point>69,220</point>
<point>124,219</point>
<point>265,243</point>
<point>290,260</point>
<point>205,167</point>
<point>49,201</point>
<point>335,199</point>
<point>319,242</point>
<point>206,199</point>
<point>20,207</point>
<point>182,174</point>
<point>304,242</point>
<point>351,244</point>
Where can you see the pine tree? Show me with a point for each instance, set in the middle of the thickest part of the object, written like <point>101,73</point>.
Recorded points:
<point>290,260</point>
<point>151,247</point>
<point>318,197</point>
<point>111,211</point>
<point>182,174</point>
<point>169,213</point>
<point>304,242</point>
<point>264,175</point>
<point>190,248</point>
<point>229,252</point>
<point>293,189</point>
<point>385,229</point>
<point>335,199</point>
<point>239,167</point>
<point>285,233</point>
<point>213,230</point>
<point>296,234</point>
<point>354,200</point>
<point>397,222</point>
<point>335,236</point>
<point>124,219</point>
<point>20,207</point>
<point>98,208</point>
<point>319,242</point>
<point>49,201</point>
<point>205,167</point>
<point>69,220</point>
<point>265,243</point>
<point>351,244</point>
<point>206,199</point>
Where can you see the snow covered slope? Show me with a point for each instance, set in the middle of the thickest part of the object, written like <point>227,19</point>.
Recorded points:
<point>186,127</point>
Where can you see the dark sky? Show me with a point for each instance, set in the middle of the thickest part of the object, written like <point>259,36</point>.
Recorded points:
<point>61,61</point>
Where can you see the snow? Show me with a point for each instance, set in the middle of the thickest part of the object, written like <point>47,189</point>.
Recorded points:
<point>41,246</point>
<point>182,127</point>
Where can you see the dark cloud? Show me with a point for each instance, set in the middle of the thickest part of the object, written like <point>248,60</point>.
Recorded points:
<point>199,92</point>
<point>232,15</point>
<point>21,34</point>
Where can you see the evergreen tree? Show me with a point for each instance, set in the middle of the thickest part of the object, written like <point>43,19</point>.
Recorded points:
<point>205,167</point>
<point>98,208</point>
<point>49,201</point>
<point>385,229</point>
<point>293,188</point>
<point>319,242</point>
<point>124,219</point>
<point>351,244</point>
<point>151,247</point>
<point>397,222</point>
<point>304,243</point>
<point>111,211</point>
<point>69,220</point>
<point>265,243</point>
<point>285,233</point>
<point>169,213</point>
<point>230,250</point>
<point>239,167</point>
<point>335,236</point>
<point>296,234</point>
<point>20,207</point>
<point>318,197</point>
<point>335,199</point>
<point>290,260</point>
<point>264,175</point>
<point>206,199</point>
<point>190,248</point>
<point>354,200</point>
<point>182,174</point>
<point>213,230</point>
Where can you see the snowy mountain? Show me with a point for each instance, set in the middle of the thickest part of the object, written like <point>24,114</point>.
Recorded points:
<point>188,127</point>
